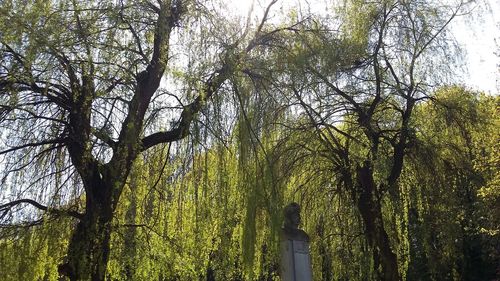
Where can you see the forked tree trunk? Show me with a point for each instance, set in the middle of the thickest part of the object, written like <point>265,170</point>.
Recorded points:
<point>385,260</point>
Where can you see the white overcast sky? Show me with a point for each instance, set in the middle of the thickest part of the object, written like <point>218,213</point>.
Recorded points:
<point>478,33</point>
<point>481,39</point>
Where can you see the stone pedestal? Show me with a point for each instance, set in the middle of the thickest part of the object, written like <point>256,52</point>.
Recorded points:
<point>295,257</point>
<point>295,260</point>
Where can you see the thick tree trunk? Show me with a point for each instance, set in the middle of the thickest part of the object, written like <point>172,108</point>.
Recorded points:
<point>88,251</point>
<point>371,212</point>
<point>89,248</point>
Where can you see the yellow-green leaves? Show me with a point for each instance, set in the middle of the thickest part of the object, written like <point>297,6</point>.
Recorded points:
<point>358,17</point>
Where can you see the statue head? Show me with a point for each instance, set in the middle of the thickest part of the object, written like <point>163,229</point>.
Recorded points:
<point>292,216</point>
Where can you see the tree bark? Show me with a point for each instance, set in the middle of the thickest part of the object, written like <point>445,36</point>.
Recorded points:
<point>89,248</point>
<point>385,260</point>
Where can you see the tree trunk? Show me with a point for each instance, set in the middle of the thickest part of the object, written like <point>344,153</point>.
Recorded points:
<point>324,253</point>
<point>89,248</point>
<point>385,259</point>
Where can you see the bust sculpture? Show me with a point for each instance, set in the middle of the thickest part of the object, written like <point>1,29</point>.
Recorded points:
<point>295,258</point>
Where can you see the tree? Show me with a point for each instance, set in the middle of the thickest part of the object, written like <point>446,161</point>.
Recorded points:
<point>358,88</point>
<point>164,143</point>
<point>81,87</point>
<point>449,166</point>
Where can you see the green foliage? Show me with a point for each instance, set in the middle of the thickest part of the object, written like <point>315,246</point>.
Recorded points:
<point>34,253</point>
<point>447,215</point>
<point>210,207</point>
<point>357,17</point>
<point>201,213</point>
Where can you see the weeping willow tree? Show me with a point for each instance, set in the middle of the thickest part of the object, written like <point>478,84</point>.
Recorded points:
<point>447,219</point>
<point>357,80</point>
<point>333,112</point>
<point>89,96</point>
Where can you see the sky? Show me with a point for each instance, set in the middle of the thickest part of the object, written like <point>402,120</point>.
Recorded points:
<point>481,40</point>
<point>478,33</point>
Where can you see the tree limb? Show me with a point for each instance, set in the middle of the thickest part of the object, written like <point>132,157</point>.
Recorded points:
<point>6,207</point>
<point>32,144</point>
<point>182,129</point>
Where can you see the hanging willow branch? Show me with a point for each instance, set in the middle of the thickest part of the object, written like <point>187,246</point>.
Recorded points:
<point>5,208</point>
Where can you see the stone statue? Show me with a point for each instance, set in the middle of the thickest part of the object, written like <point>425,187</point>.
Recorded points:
<point>295,258</point>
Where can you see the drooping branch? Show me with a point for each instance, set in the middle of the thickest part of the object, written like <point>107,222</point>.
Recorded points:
<point>5,208</point>
<point>211,86</point>
<point>346,96</point>
<point>53,92</point>
<point>33,144</point>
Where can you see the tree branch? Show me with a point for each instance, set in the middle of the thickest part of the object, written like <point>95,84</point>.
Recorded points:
<point>32,144</point>
<point>6,207</point>
<point>182,129</point>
